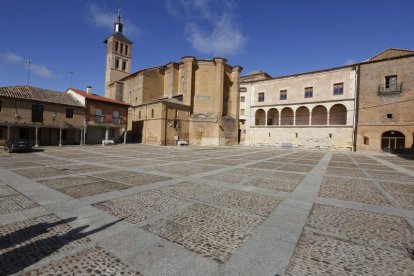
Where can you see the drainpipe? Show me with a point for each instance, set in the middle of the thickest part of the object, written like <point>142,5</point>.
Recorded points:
<point>356,107</point>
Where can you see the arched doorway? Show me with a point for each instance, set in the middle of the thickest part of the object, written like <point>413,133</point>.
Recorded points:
<point>337,115</point>
<point>302,116</point>
<point>286,116</point>
<point>272,117</point>
<point>319,115</point>
<point>260,117</point>
<point>393,141</point>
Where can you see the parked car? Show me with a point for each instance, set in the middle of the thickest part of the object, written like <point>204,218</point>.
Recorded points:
<point>14,145</point>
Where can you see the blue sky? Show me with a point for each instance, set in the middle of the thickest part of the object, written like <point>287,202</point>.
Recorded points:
<point>279,37</point>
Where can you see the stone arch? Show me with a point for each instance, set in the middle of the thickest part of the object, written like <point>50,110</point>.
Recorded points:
<point>273,117</point>
<point>286,116</point>
<point>319,115</point>
<point>260,117</point>
<point>337,115</point>
<point>302,116</point>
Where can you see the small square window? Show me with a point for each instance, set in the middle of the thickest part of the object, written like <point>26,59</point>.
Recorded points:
<point>69,113</point>
<point>389,116</point>
<point>283,94</point>
<point>391,82</point>
<point>338,89</point>
<point>242,99</point>
<point>261,97</point>
<point>366,140</point>
<point>309,92</point>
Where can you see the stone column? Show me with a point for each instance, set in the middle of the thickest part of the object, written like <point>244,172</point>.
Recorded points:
<point>8,132</point>
<point>310,117</point>
<point>36,137</point>
<point>81,136</point>
<point>280,118</point>
<point>60,137</point>
<point>107,133</point>
<point>294,117</point>
<point>125,134</point>
<point>327,118</point>
<point>84,134</point>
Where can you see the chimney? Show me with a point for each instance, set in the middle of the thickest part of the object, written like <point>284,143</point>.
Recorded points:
<point>89,89</point>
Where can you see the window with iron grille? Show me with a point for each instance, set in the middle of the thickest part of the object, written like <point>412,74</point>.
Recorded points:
<point>391,82</point>
<point>283,94</point>
<point>338,89</point>
<point>308,92</point>
<point>242,99</point>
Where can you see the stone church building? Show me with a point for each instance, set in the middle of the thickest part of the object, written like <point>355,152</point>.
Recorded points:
<point>194,101</point>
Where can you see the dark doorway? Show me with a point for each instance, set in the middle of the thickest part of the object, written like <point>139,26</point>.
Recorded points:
<point>239,137</point>
<point>393,141</point>
<point>137,128</point>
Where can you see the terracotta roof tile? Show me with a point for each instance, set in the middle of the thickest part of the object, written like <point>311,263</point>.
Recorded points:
<point>96,97</point>
<point>31,93</point>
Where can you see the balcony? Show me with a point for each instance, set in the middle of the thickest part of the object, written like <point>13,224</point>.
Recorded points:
<point>98,118</point>
<point>391,90</point>
<point>116,120</point>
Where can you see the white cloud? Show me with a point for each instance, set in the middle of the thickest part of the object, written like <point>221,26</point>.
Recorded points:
<point>102,18</point>
<point>350,61</point>
<point>38,69</point>
<point>41,70</point>
<point>211,25</point>
<point>11,57</point>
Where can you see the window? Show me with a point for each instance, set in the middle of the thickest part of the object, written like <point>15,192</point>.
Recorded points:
<point>242,122</point>
<point>152,113</point>
<point>242,111</point>
<point>242,99</point>
<point>69,113</point>
<point>126,49</point>
<point>139,114</point>
<point>366,140</point>
<point>389,116</point>
<point>37,113</point>
<point>283,94</point>
<point>308,92</point>
<point>116,46</point>
<point>338,89</point>
<point>115,117</point>
<point>391,82</point>
<point>122,47</point>
<point>116,63</point>
<point>123,65</point>
<point>242,89</point>
<point>261,97</point>
<point>98,115</point>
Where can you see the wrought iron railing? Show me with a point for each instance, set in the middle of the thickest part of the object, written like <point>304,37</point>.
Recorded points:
<point>391,90</point>
<point>116,120</point>
<point>98,118</point>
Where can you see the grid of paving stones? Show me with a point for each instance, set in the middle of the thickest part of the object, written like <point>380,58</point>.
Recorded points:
<point>140,207</point>
<point>214,233</point>
<point>359,190</point>
<point>93,261</point>
<point>403,193</point>
<point>248,202</point>
<point>25,242</point>
<point>13,201</point>
<point>211,201</point>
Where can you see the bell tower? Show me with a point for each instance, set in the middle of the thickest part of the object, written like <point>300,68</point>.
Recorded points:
<point>118,59</point>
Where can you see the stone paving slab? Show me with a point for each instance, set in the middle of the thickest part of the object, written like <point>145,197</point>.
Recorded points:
<point>209,231</point>
<point>69,181</point>
<point>43,172</point>
<point>94,188</point>
<point>403,193</point>
<point>15,203</point>
<point>389,175</point>
<point>192,190</point>
<point>273,184</point>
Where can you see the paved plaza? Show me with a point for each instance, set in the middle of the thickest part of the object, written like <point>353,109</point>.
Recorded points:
<point>145,210</point>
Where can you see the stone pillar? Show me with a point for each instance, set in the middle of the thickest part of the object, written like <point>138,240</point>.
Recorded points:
<point>327,118</point>
<point>8,132</point>
<point>125,134</point>
<point>84,134</point>
<point>60,137</point>
<point>280,118</point>
<point>310,117</point>
<point>107,133</point>
<point>81,136</point>
<point>265,122</point>
<point>294,117</point>
<point>36,137</point>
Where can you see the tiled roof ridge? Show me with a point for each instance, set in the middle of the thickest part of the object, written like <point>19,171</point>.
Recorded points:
<point>96,97</point>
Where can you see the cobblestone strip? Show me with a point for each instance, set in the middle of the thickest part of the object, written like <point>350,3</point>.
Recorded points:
<point>272,244</point>
<point>379,187</point>
<point>393,166</point>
